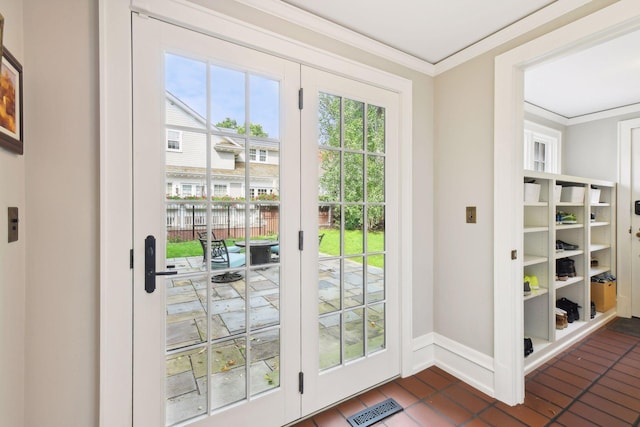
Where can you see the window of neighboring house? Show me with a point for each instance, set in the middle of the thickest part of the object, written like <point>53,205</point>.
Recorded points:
<point>258,155</point>
<point>174,140</point>
<point>541,148</point>
<point>169,188</point>
<point>254,192</point>
<point>219,190</point>
<point>187,190</point>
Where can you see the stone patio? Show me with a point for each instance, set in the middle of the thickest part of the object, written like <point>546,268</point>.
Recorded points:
<point>186,328</point>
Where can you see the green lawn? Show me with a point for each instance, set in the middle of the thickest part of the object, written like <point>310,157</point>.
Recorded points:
<point>353,244</point>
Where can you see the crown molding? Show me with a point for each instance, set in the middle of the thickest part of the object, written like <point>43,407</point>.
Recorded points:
<point>331,29</point>
<point>518,28</point>
<point>570,121</point>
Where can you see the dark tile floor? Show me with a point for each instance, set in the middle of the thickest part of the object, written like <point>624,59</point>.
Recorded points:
<point>596,382</point>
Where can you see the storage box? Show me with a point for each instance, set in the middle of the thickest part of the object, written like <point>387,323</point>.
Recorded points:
<point>603,295</point>
<point>557,192</point>
<point>572,194</point>
<point>595,195</point>
<point>531,193</point>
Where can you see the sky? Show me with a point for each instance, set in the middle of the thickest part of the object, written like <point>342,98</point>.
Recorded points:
<point>186,79</point>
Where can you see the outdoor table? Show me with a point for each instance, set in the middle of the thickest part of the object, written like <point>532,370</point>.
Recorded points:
<point>260,250</point>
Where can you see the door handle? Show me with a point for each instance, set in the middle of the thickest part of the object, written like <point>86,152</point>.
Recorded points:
<point>150,272</point>
<point>638,234</point>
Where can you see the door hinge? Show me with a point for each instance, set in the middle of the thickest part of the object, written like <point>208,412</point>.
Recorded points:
<point>301,382</point>
<point>514,254</point>
<point>130,258</point>
<point>300,99</point>
<point>300,240</point>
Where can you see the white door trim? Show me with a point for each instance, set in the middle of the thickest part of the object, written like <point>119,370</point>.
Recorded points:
<point>624,217</point>
<point>115,174</point>
<point>508,124</point>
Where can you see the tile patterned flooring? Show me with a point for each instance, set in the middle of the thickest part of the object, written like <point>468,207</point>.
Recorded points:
<point>596,382</point>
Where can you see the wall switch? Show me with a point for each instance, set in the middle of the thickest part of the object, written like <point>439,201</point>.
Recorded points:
<point>471,214</point>
<point>13,224</point>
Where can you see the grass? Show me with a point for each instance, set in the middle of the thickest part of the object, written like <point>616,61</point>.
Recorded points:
<point>353,244</point>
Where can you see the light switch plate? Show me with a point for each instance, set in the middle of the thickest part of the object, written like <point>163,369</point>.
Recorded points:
<point>471,214</point>
<point>13,224</point>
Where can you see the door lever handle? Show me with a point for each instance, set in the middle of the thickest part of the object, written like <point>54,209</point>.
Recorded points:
<point>150,272</point>
<point>638,234</point>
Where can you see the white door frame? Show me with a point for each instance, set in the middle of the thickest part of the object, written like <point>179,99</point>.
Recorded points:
<point>624,233</point>
<point>508,140</point>
<point>115,173</point>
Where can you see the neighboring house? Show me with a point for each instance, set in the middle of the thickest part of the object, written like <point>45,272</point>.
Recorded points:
<point>186,158</point>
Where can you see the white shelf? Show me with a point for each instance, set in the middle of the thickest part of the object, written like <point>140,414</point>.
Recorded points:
<point>594,271</point>
<point>569,204</point>
<point>595,239</point>
<point>568,226</point>
<point>575,325</point>
<point>566,254</point>
<point>569,281</point>
<point>598,247</point>
<point>535,293</point>
<point>536,204</point>
<point>534,259</point>
<point>534,229</point>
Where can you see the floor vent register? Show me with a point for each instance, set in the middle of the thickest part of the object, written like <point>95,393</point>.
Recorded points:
<point>374,413</point>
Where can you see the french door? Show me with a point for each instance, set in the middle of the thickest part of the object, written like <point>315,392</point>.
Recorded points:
<point>263,268</point>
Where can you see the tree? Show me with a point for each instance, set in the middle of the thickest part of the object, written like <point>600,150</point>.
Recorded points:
<point>357,155</point>
<point>229,123</point>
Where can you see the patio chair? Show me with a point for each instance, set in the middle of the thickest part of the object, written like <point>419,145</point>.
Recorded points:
<point>222,259</point>
<point>202,235</point>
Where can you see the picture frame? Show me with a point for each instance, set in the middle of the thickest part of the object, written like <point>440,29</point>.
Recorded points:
<point>11,120</point>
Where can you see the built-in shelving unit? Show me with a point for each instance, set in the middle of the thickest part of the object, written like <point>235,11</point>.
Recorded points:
<point>590,225</point>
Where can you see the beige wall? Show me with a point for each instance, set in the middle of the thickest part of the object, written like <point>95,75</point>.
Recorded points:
<point>62,174</point>
<point>12,255</point>
<point>463,146</point>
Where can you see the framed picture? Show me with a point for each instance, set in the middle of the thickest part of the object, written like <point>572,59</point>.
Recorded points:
<point>11,123</point>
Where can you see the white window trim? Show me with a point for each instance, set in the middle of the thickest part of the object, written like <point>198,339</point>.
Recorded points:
<point>551,138</point>
<point>256,155</point>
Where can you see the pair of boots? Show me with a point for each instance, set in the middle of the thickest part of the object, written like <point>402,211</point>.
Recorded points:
<point>562,320</point>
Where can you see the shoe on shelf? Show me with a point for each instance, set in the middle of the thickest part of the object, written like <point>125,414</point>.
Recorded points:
<point>527,289</point>
<point>568,218</point>
<point>566,246</point>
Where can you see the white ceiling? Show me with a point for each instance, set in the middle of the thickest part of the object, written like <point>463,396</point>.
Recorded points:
<point>431,30</point>
<point>603,77</point>
<point>598,79</point>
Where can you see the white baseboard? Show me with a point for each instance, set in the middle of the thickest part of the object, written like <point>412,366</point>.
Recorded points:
<point>466,364</point>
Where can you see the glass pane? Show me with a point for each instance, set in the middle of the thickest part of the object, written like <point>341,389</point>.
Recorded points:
<point>353,225</point>
<point>228,372</point>
<point>354,334</point>
<point>186,312</point>
<point>185,83</point>
<point>353,177</point>
<point>329,233</point>
<point>265,361</point>
<point>375,235</point>
<point>329,176</point>
<point>353,124</point>
<point>227,99</point>
<point>375,179</point>
<point>375,328</point>
<point>186,387</point>
<point>264,95</point>
<point>353,282</point>
<point>330,337</point>
<point>375,278</point>
<point>329,298</point>
<point>264,289</point>
<point>375,129</point>
<point>329,123</point>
